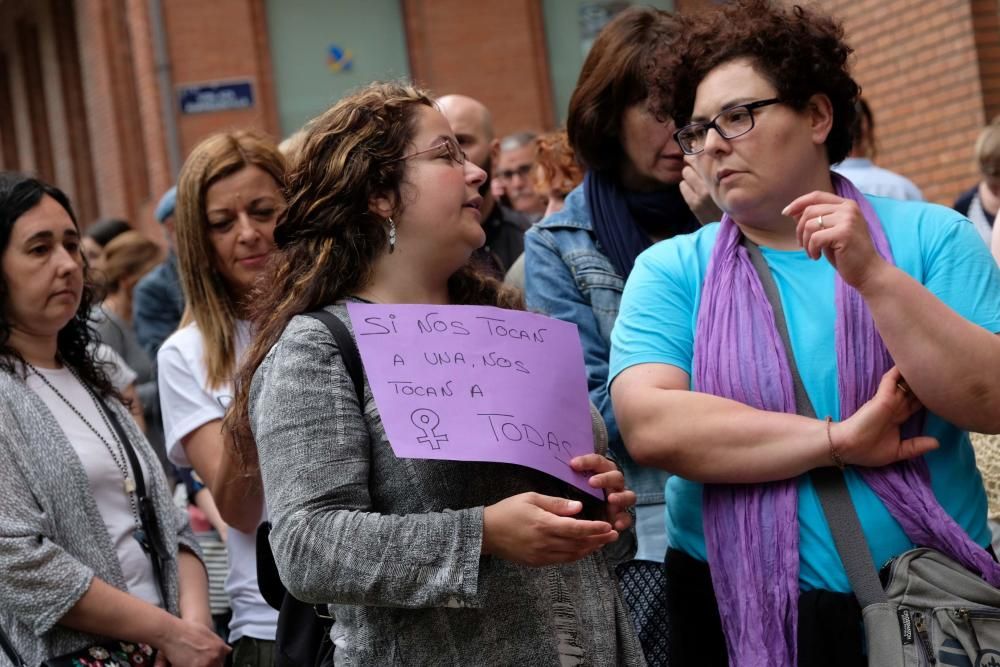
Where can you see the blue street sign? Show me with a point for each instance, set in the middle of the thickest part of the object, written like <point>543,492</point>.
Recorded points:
<point>202,98</point>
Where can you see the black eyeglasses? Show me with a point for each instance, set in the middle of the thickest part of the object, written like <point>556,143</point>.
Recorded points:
<point>730,123</point>
<point>455,152</point>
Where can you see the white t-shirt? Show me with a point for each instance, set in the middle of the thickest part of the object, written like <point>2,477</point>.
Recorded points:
<point>104,475</point>
<point>119,372</point>
<point>188,403</point>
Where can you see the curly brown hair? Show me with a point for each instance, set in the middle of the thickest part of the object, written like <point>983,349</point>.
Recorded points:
<point>800,51</point>
<point>328,238</point>
<point>560,172</point>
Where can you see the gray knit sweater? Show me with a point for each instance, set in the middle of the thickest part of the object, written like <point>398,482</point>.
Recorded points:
<point>53,541</point>
<point>394,544</point>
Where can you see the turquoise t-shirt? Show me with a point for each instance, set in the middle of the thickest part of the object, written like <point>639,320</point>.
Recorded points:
<point>933,244</point>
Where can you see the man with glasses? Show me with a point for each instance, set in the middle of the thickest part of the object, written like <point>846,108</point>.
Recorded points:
<point>516,170</point>
<point>472,124</point>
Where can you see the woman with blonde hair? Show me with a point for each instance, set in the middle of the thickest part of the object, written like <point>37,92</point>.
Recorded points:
<point>228,200</point>
<point>421,561</point>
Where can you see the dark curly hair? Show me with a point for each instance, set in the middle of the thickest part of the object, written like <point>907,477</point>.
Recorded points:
<point>801,52</point>
<point>328,238</point>
<point>76,342</point>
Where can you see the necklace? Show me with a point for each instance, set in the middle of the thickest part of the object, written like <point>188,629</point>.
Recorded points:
<point>117,452</point>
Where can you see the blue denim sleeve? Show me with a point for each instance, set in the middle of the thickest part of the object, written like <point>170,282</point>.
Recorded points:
<point>551,289</point>
<point>153,314</point>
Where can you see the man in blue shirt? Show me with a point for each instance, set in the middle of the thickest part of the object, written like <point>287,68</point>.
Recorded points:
<point>158,302</point>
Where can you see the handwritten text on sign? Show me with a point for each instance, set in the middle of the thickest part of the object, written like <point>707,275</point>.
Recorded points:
<point>475,383</point>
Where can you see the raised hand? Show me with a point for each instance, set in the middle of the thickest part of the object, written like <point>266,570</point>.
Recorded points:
<point>831,226</point>
<point>698,198</point>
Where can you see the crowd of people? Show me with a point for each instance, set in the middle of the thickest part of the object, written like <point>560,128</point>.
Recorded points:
<point>756,301</point>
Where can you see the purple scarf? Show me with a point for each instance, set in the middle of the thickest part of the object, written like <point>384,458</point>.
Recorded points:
<point>752,530</point>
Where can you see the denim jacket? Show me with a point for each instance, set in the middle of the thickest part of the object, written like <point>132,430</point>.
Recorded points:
<point>568,277</point>
<point>157,305</point>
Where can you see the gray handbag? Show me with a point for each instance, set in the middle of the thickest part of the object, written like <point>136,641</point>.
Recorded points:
<point>931,609</point>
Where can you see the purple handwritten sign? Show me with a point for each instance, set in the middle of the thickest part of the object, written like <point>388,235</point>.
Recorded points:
<point>475,383</point>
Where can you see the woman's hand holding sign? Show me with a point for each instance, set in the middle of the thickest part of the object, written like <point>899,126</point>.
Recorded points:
<point>533,529</point>
<point>608,477</point>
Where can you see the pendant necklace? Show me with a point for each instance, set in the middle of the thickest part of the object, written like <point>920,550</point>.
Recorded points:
<point>117,451</point>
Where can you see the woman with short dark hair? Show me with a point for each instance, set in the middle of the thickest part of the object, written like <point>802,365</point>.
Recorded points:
<point>637,191</point>
<point>873,290</point>
<point>80,561</point>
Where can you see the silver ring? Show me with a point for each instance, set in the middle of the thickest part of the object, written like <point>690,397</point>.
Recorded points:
<point>820,223</point>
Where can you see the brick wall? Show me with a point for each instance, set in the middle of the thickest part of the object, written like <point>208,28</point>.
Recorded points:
<point>15,12</point>
<point>77,153</point>
<point>492,51</point>
<point>218,40</point>
<point>918,64</point>
<point>148,112</point>
<point>986,27</point>
<point>101,107</point>
<point>930,69</point>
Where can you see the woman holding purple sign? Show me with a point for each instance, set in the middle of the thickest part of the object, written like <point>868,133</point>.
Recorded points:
<point>421,561</point>
<point>862,290</point>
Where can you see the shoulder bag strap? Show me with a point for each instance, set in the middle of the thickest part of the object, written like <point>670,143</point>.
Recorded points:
<point>831,487</point>
<point>8,648</point>
<point>348,351</point>
<point>147,511</point>
<point>352,361</point>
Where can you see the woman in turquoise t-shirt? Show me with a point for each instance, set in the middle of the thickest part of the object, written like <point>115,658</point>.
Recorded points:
<point>873,290</point>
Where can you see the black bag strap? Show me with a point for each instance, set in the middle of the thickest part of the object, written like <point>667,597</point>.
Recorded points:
<point>8,647</point>
<point>268,580</point>
<point>147,510</point>
<point>831,487</point>
<point>348,350</point>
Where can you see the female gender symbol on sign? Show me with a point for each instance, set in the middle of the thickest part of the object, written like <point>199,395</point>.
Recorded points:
<point>427,421</point>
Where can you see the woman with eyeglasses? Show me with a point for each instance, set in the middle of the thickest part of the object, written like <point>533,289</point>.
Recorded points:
<point>872,291</point>
<point>421,562</point>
